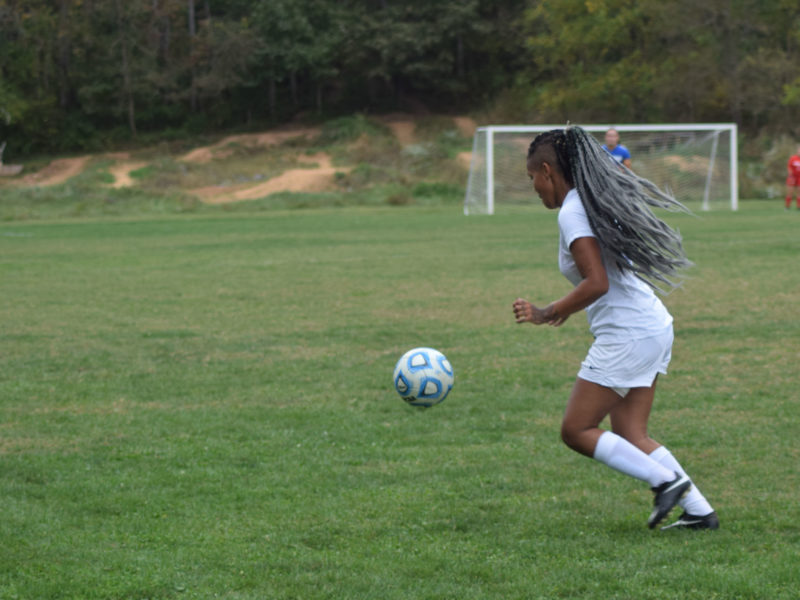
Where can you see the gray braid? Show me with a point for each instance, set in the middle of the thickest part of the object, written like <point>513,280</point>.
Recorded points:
<point>617,204</point>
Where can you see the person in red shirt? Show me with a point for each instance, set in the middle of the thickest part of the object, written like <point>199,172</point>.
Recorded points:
<point>793,179</point>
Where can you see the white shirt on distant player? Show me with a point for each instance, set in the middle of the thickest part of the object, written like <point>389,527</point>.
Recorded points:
<point>630,308</point>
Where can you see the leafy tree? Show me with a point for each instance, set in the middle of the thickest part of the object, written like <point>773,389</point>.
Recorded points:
<point>74,73</point>
<point>27,88</point>
<point>589,59</point>
<point>299,39</point>
<point>625,60</point>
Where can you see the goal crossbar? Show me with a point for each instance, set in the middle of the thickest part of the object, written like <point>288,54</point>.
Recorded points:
<point>485,136</point>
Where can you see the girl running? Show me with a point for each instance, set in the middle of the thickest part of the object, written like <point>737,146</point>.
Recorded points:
<point>614,250</point>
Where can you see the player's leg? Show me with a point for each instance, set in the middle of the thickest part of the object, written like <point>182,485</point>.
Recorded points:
<point>790,189</point>
<point>630,415</point>
<point>697,511</point>
<point>588,405</point>
<point>629,419</point>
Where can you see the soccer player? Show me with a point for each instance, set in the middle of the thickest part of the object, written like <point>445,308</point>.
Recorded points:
<point>793,179</point>
<point>611,245</point>
<point>617,151</point>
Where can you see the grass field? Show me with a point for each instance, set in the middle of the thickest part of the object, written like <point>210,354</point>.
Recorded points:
<point>200,406</point>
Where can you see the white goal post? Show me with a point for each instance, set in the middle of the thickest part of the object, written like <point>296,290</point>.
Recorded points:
<point>697,163</point>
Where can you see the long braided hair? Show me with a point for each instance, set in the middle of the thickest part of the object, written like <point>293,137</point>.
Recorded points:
<point>617,204</point>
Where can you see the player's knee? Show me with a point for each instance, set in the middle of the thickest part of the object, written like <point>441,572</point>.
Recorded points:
<point>570,434</point>
<point>635,436</point>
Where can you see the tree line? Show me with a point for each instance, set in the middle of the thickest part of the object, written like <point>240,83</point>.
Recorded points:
<point>75,74</point>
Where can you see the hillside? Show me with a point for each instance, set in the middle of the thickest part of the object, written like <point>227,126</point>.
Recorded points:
<point>395,158</point>
<point>350,160</point>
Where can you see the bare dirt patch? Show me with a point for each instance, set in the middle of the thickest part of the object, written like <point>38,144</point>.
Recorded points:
<point>402,126</point>
<point>403,130</point>
<point>466,126</point>
<point>122,173</point>
<point>58,171</point>
<point>314,173</point>
<point>315,179</point>
<point>464,159</point>
<point>222,149</point>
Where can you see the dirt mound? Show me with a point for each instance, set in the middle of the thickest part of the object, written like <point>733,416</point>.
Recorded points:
<point>402,126</point>
<point>222,149</point>
<point>466,126</point>
<point>315,173</point>
<point>315,179</point>
<point>122,173</point>
<point>57,171</point>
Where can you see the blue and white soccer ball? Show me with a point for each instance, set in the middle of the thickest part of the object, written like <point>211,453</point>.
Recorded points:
<point>423,377</point>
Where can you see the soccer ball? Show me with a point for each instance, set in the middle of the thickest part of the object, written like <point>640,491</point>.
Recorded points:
<point>423,377</point>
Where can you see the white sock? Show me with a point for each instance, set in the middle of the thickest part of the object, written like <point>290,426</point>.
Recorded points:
<point>693,502</point>
<point>618,453</point>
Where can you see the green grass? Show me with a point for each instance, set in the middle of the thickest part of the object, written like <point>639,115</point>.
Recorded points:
<point>200,406</point>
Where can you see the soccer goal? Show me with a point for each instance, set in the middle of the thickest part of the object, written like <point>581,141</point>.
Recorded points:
<point>696,163</point>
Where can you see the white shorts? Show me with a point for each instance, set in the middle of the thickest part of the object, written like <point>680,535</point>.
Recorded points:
<point>622,365</point>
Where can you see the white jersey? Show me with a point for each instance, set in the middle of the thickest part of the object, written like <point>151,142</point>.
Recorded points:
<point>630,308</point>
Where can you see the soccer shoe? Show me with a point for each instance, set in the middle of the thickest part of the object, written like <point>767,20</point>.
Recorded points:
<point>667,496</point>
<point>687,521</point>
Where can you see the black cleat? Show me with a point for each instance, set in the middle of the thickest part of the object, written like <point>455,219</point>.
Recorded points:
<point>687,521</point>
<point>667,496</point>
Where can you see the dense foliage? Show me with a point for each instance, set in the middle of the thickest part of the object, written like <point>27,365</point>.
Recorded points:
<point>74,73</point>
<point>684,61</point>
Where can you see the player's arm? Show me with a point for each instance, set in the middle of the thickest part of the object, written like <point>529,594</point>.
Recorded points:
<point>627,160</point>
<point>588,258</point>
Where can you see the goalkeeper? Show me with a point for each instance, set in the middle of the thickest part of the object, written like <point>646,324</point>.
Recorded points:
<point>617,151</point>
<point>611,246</point>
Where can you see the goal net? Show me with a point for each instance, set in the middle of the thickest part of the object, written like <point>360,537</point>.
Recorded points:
<point>696,163</point>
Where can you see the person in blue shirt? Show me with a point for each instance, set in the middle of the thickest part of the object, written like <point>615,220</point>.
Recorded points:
<point>618,152</point>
